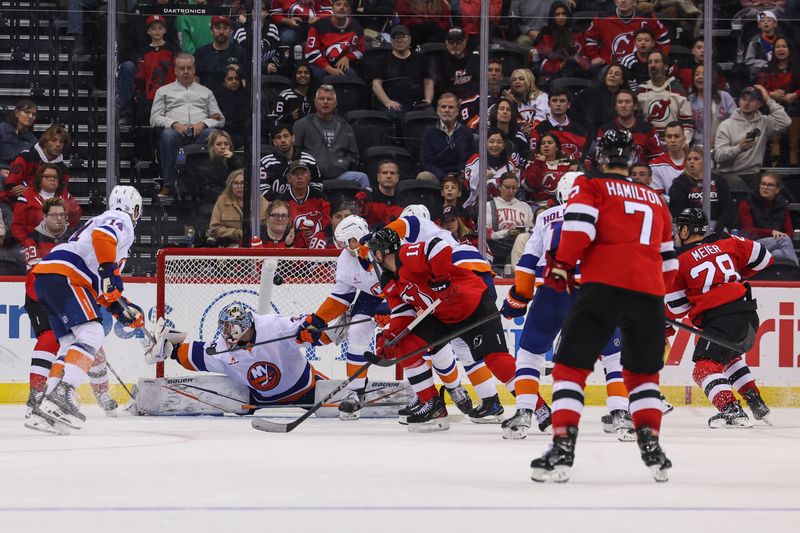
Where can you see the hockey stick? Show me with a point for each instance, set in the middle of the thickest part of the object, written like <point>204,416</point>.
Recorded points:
<point>215,393</point>
<point>275,427</point>
<point>141,328</point>
<point>211,351</point>
<point>195,398</point>
<point>739,347</point>
<point>111,369</point>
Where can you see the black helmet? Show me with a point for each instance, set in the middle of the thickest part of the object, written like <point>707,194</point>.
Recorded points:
<point>386,241</point>
<point>694,219</point>
<point>615,148</point>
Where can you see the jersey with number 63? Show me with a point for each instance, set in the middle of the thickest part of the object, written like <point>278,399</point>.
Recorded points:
<point>621,231</point>
<point>710,274</point>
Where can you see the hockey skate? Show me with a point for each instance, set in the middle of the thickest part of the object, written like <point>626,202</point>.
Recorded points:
<point>667,407</point>
<point>404,412</point>
<point>516,427</point>
<point>544,417</point>
<point>431,416</point>
<point>350,406</point>
<point>488,412</point>
<point>61,406</point>
<point>460,397</point>
<point>37,422</point>
<point>652,454</point>
<point>622,425</point>
<point>732,416</point>
<point>757,406</point>
<point>107,403</point>
<point>554,466</point>
<point>34,399</point>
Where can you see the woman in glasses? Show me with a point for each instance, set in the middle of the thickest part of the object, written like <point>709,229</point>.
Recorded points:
<point>48,183</point>
<point>279,231</point>
<point>764,217</point>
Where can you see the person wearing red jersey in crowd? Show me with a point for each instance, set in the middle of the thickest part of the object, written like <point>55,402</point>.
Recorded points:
<point>428,20</point>
<point>279,232</point>
<point>49,149</point>
<point>560,48</point>
<point>765,218</point>
<point>48,183</point>
<point>645,137</point>
<point>531,101</point>
<point>687,191</point>
<point>51,231</point>
<point>669,165</point>
<point>635,63</point>
<point>608,217</point>
<point>414,276</point>
<point>662,99</point>
<point>573,136</point>
<point>541,176</point>
<point>225,228</point>
<point>609,38</point>
<point>709,288</point>
<point>500,161</point>
<point>380,206</point>
<point>722,106</point>
<point>471,16</point>
<point>781,79</point>
<point>507,217</point>
<point>309,211</point>
<point>294,16</point>
<point>335,45</point>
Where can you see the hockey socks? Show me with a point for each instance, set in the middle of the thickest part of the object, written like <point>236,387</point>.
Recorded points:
<point>444,363</point>
<point>528,372</point>
<point>645,400</point>
<point>77,363</point>
<point>710,378</point>
<point>354,364</point>
<point>98,374</point>
<point>421,379</point>
<point>616,392</point>
<point>44,354</point>
<point>740,377</point>
<point>568,385</point>
<point>482,379</point>
<point>503,367</point>
<point>56,374</point>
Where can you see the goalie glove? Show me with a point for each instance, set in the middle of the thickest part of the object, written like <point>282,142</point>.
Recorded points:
<point>515,305</point>
<point>128,314</point>
<point>163,344</point>
<point>559,276</point>
<point>310,330</point>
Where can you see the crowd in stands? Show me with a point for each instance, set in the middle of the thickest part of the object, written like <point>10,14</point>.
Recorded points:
<point>557,82</point>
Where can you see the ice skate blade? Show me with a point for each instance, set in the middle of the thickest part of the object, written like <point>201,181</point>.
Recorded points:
<point>111,414</point>
<point>45,425</point>
<point>515,434</point>
<point>349,417</point>
<point>659,474</point>
<point>51,412</point>
<point>439,424</point>
<point>737,424</point>
<point>559,474</point>
<point>493,419</point>
<point>626,435</point>
<point>402,420</point>
<point>766,420</point>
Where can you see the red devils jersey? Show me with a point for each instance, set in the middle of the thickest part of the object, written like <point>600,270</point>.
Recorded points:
<point>326,43</point>
<point>645,138</point>
<point>611,37</point>
<point>540,178</point>
<point>710,273</point>
<point>24,168</point>
<point>311,215</point>
<point>621,231</point>
<point>573,137</point>
<point>421,262</point>
<point>155,69</point>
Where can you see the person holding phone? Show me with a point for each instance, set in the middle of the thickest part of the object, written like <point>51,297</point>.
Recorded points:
<point>508,217</point>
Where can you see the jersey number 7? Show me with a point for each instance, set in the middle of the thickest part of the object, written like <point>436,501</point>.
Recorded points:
<point>631,208</point>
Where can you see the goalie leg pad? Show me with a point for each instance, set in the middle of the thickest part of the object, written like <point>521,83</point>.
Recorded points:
<point>156,399</point>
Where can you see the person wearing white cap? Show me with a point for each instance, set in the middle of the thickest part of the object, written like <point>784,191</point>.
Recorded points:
<point>759,49</point>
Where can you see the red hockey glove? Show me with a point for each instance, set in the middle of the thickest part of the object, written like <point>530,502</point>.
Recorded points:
<point>669,331</point>
<point>382,320</point>
<point>559,276</point>
<point>515,304</point>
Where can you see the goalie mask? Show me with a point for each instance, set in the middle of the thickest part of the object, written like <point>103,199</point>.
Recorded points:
<point>234,319</point>
<point>416,210</point>
<point>351,227</point>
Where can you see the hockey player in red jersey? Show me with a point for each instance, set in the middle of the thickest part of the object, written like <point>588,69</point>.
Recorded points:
<point>416,275</point>
<point>621,232</point>
<point>709,288</point>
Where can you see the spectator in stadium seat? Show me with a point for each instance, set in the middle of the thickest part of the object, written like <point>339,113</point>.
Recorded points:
<point>193,31</point>
<point>532,15</point>
<point>764,216</point>
<point>781,79</point>
<point>500,159</point>
<point>381,205</point>
<point>454,219</point>
<point>296,102</point>
<point>504,116</point>
<point>506,218</point>
<point>309,211</point>
<point>722,106</point>
<point>541,176</point>
<point>279,232</point>
<point>274,166</point>
<point>452,189</point>
<point>272,60</point>
<point>410,74</point>
<point>662,99</point>
<point>742,138</point>
<point>669,165</point>
<point>428,21</point>
<point>225,227</point>
<point>335,45</point>
<point>759,49</point>
<point>445,146</point>
<point>208,180</point>
<point>683,68</point>
<point>647,144</point>
<point>234,102</point>
<point>572,134</point>
<point>610,38</point>
<point>293,18</point>
<point>470,105</point>
<point>457,71</point>
<point>531,101</point>
<point>471,17</point>
<point>16,134</point>
<point>330,139</point>
<point>687,191</point>
<point>75,9</point>
<point>48,183</point>
<point>635,63</point>
<point>49,233</point>
<point>641,173</point>
<point>213,59</point>
<point>597,102</point>
<point>560,49</point>
<point>188,112</point>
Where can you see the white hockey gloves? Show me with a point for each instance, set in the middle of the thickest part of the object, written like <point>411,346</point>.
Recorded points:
<point>165,341</point>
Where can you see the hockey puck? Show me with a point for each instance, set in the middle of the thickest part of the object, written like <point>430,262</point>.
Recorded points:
<point>277,280</point>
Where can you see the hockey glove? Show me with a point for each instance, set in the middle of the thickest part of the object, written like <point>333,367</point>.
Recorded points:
<point>559,276</point>
<point>382,320</point>
<point>163,344</point>
<point>439,286</point>
<point>110,282</point>
<point>515,305</point>
<point>310,330</point>
<point>129,315</point>
<point>669,331</point>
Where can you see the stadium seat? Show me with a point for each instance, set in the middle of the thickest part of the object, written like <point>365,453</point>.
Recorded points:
<point>272,85</point>
<point>574,85</point>
<point>338,191</point>
<point>423,192</point>
<point>414,124</point>
<point>582,19</point>
<point>433,50</point>
<point>404,160</point>
<point>372,128</point>
<point>351,93</point>
<point>512,56</point>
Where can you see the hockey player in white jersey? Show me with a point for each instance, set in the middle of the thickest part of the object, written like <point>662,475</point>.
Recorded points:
<point>274,373</point>
<point>71,283</point>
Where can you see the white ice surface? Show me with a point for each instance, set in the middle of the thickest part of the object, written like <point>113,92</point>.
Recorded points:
<point>144,474</point>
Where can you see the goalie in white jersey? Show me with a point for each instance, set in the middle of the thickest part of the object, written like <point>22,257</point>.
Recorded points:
<point>274,372</point>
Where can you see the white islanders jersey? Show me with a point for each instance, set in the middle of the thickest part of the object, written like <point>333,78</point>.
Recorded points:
<point>544,238</point>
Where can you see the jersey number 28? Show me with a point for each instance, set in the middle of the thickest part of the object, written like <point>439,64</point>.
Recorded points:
<point>722,263</point>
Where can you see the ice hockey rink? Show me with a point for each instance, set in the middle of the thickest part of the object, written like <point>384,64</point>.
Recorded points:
<point>198,474</point>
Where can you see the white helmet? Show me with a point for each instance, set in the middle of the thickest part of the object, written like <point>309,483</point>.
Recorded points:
<point>127,199</point>
<point>565,186</point>
<point>416,210</point>
<point>351,227</point>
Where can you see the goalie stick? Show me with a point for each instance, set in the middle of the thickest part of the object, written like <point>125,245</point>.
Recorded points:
<point>275,427</point>
<point>197,399</point>
<point>111,368</point>
<point>739,347</point>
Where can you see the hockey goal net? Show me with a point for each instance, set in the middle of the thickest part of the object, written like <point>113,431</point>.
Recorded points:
<point>194,284</point>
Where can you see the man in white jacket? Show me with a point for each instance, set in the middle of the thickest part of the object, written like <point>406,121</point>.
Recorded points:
<point>507,217</point>
<point>188,112</point>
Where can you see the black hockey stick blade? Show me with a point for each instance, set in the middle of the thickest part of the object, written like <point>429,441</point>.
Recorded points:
<point>739,347</point>
<point>212,351</point>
